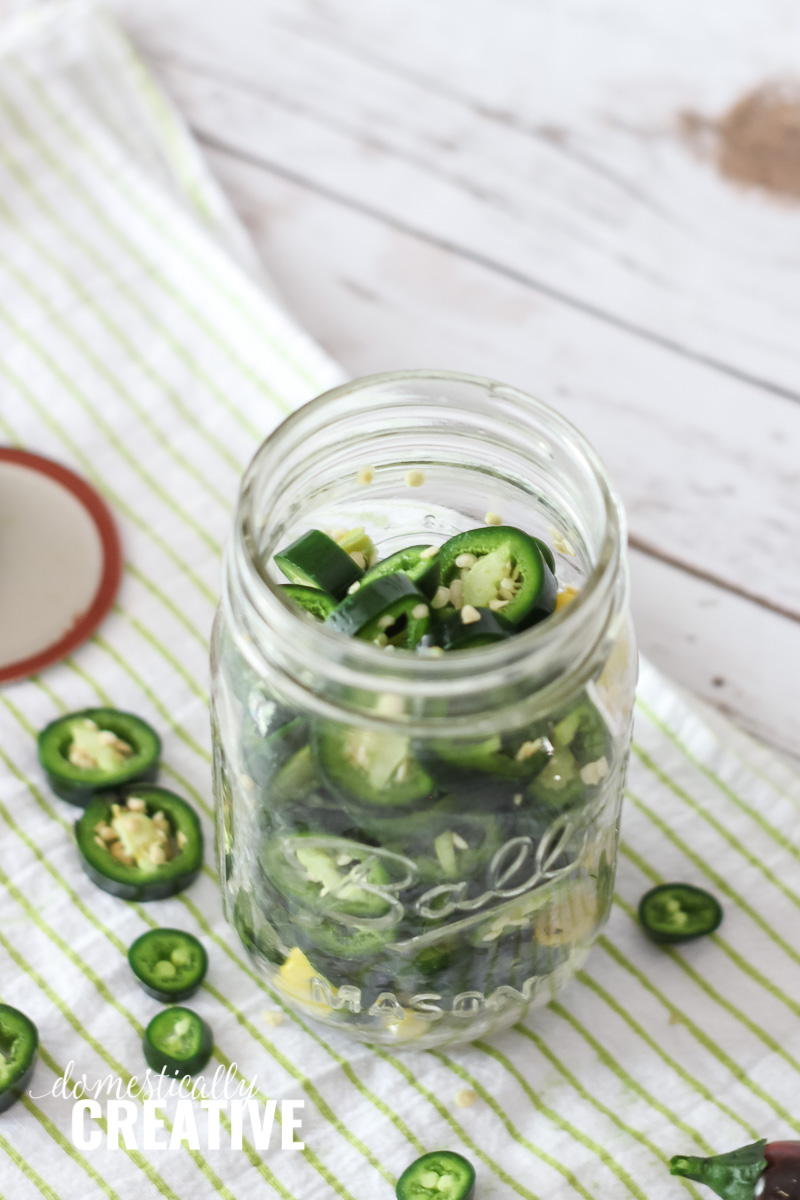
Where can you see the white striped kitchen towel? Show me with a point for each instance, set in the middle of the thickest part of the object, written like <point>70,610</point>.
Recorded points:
<point>137,346</point>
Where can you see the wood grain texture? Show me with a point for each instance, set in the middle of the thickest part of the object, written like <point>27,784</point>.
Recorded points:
<point>500,187</point>
<point>702,481</point>
<point>378,299</point>
<point>658,305</point>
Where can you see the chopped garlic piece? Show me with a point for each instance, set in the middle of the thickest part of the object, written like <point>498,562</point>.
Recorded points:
<point>457,593</point>
<point>594,772</point>
<point>560,543</point>
<point>527,750</point>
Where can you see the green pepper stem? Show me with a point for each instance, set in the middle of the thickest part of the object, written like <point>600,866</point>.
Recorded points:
<point>732,1176</point>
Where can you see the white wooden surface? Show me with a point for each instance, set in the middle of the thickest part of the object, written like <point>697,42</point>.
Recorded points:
<point>498,186</point>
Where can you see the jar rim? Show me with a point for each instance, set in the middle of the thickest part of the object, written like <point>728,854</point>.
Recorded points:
<point>359,663</point>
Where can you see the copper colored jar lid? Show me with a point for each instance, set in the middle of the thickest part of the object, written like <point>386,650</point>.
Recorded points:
<point>60,562</point>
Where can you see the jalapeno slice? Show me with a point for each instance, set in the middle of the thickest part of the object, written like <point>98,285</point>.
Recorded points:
<point>500,568</point>
<point>169,964</point>
<point>581,759</point>
<point>584,731</point>
<point>485,629</point>
<point>367,767</point>
<point>330,874</point>
<point>141,844</point>
<point>517,758</point>
<point>258,935</point>
<point>316,560</point>
<point>546,552</point>
<point>442,1175</point>
<point>263,758</point>
<point>296,781</point>
<point>178,1042</point>
<point>458,852</point>
<point>19,1043</point>
<point>678,912</point>
<point>389,611</point>
<point>314,601</point>
<point>95,750</point>
<point>417,563</point>
<point>347,942</point>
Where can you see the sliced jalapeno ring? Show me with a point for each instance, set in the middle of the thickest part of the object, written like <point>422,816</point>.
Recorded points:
<point>95,750</point>
<point>559,785</point>
<point>19,1043</point>
<point>316,560</point>
<point>546,552</point>
<point>263,758</point>
<point>169,964</point>
<point>141,844</point>
<point>679,912</point>
<point>582,759</point>
<point>417,563</point>
<point>459,852</point>
<point>326,873</point>
<point>389,610</point>
<point>483,630</point>
<point>500,568</point>
<point>367,767</point>
<point>311,600</point>
<point>296,781</point>
<point>517,758</point>
<point>584,730</point>
<point>347,942</point>
<point>258,936</point>
<point>442,1175</point>
<point>178,1042</point>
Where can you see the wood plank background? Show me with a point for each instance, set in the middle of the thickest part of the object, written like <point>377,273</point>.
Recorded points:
<point>501,186</point>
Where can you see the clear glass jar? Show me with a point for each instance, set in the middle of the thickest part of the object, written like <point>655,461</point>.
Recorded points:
<point>450,916</point>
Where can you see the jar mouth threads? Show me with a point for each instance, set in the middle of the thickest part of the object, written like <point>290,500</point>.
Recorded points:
<point>467,442</point>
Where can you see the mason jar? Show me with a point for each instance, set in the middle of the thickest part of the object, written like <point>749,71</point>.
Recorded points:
<point>450,914</point>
